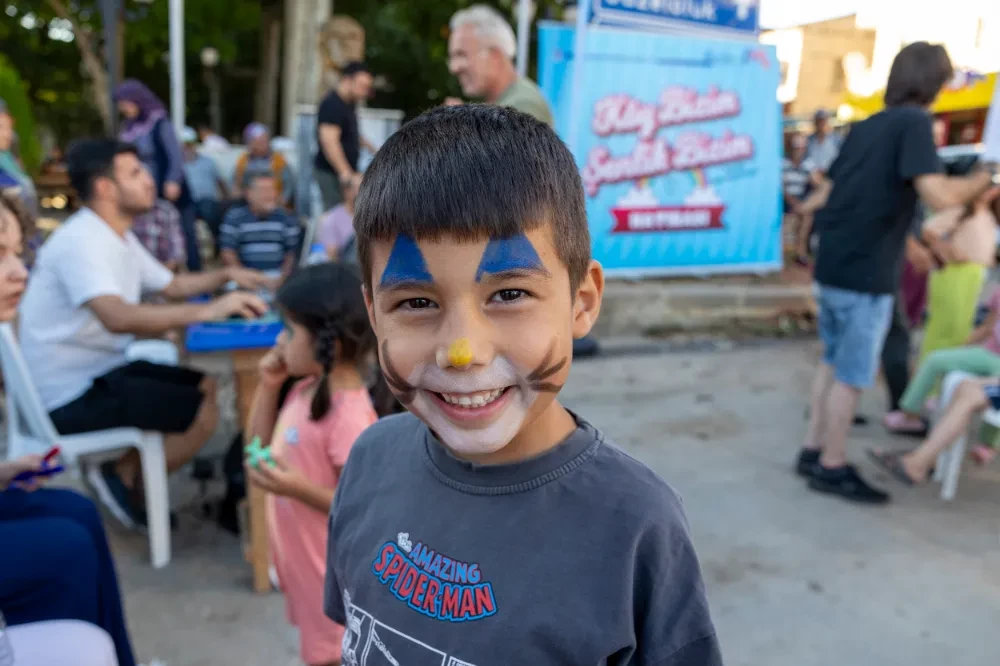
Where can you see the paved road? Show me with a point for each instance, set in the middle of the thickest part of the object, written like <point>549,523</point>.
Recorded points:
<point>794,579</point>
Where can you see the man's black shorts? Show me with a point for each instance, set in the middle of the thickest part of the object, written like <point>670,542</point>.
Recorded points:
<point>143,395</point>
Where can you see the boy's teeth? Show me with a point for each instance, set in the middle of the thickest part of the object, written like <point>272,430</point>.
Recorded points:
<point>472,399</point>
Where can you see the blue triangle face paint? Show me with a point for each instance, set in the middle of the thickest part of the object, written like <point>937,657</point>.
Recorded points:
<point>406,264</point>
<point>508,254</point>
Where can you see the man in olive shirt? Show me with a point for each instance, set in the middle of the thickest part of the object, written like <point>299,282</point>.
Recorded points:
<point>481,53</point>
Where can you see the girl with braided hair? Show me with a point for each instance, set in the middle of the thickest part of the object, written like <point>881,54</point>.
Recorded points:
<point>328,342</point>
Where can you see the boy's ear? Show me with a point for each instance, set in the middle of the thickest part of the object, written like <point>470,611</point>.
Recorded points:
<point>587,301</point>
<point>369,304</point>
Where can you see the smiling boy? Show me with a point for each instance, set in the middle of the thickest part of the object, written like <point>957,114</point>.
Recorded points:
<point>491,526</point>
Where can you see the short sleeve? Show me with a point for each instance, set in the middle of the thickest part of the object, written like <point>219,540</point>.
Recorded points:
<point>917,152</point>
<point>229,232</point>
<point>350,424</point>
<point>155,276</point>
<point>331,112</point>
<point>87,274</point>
<point>670,609</point>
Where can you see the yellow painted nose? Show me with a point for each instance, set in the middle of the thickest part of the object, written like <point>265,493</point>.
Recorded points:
<point>460,353</point>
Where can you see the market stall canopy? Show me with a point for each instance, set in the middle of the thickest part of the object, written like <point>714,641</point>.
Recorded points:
<point>970,91</point>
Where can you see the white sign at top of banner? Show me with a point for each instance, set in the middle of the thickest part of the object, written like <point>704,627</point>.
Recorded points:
<point>731,17</point>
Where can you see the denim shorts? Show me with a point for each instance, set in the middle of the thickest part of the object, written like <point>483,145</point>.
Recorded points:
<point>852,327</point>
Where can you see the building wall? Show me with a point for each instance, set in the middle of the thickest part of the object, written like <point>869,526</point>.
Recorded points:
<point>822,81</point>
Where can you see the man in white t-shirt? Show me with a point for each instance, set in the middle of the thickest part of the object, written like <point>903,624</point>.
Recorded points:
<point>82,308</point>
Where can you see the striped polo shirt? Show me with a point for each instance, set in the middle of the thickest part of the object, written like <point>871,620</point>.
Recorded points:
<point>261,242</point>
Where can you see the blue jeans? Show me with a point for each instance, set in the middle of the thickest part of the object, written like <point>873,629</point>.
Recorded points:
<point>55,564</point>
<point>852,327</point>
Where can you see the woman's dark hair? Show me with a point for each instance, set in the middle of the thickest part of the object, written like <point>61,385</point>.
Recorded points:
<point>326,300</point>
<point>918,73</point>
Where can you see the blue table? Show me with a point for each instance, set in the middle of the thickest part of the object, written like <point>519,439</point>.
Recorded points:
<point>245,342</point>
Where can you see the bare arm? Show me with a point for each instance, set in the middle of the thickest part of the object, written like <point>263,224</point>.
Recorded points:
<point>194,284</point>
<point>154,320</point>
<point>939,191</point>
<point>369,146</point>
<point>145,320</point>
<point>329,143</point>
<point>316,497</point>
<point>288,266</point>
<point>263,414</point>
<point>818,198</point>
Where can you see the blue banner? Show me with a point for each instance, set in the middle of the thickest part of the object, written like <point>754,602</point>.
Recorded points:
<point>735,17</point>
<point>679,149</point>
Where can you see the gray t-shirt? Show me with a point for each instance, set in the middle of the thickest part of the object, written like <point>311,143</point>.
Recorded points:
<point>579,556</point>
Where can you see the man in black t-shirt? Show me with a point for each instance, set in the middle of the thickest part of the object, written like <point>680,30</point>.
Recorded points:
<point>337,134</point>
<point>886,163</point>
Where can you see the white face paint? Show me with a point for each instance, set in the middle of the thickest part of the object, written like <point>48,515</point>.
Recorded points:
<point>480,436</point>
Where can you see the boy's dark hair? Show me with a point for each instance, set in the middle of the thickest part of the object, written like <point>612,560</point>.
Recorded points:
<point>90,159</point>
<point>473,172</point>
<point>326,300</point>
<point>354,67</point>
<point>918,73</point>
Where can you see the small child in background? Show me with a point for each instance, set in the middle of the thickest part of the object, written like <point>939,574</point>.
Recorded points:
<point>327,340</point>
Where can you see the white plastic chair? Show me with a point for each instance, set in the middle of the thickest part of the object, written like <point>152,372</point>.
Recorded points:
<point>30,430</point>
<point>949,461</point>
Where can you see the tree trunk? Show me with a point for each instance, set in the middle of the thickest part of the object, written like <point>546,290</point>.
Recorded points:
<point>93,64</point>
<point>266,100</point>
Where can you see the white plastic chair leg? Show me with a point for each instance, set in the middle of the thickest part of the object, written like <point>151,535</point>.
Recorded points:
<point>154,475</point>
<point>953,469</point>
<point>942,463</point>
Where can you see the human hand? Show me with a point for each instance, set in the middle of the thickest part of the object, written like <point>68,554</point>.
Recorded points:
<point>988,197</point>
<point>281,479</point>
<point>920,257</point>
<point>171,191</point>
<point>272,369</point>
<point>11,468</point>
<point>452,101</point>
<point>239,303</point>
<point>246,278</point>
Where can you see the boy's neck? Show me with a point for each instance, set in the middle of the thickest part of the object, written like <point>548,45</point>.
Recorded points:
<point>546,432</point>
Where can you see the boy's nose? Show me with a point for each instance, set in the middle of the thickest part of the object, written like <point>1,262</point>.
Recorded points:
<point>456,354</point>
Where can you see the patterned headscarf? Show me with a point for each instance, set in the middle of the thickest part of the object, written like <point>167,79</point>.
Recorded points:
<point>151,109</point>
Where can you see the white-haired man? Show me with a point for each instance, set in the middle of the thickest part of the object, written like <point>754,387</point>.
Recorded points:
<point>481,53</point>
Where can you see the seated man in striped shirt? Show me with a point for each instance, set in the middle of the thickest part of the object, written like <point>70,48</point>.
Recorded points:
<point>260,235</point>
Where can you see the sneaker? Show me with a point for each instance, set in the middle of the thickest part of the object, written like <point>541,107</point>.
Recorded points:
<point>112,493</point>
<point>808,459</point>
<point>846,482</point>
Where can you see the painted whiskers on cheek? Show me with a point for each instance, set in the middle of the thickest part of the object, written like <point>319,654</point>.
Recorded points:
<point>404,391</point>
<point>545,369</point>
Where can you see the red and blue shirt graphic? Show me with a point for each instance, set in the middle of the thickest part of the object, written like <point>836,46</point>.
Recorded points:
<point>434,584</point>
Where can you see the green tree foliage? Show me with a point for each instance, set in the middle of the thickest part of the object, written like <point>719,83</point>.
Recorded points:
<point>14,94</point>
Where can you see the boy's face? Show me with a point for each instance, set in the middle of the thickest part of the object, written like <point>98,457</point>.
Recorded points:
<point>476,338</point>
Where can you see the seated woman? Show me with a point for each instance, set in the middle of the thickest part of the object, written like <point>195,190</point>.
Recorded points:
<point>964,241</point>
<point>980,354</point>
<point>971,397</point>
<point>55,563</point>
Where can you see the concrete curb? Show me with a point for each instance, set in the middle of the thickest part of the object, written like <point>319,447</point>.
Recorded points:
<point>649,308</point>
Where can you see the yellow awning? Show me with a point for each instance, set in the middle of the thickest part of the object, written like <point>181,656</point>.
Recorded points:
<point>977,95</point>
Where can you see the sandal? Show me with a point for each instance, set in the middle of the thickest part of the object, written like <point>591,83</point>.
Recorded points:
<point>892,462</point>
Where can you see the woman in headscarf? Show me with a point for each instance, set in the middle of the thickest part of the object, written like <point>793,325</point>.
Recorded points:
<point>147,126</point>
<point>12,174</point>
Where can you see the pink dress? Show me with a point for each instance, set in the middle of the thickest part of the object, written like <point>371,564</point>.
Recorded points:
<point>317,449</point>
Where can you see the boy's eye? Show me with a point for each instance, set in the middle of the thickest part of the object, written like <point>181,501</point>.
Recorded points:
<point>417,304</point>
<point>509,295</point>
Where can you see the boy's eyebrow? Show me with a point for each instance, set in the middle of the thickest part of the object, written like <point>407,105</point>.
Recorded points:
<point>505,255</point>
<point>406,265</point>
<point>539,273</point>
